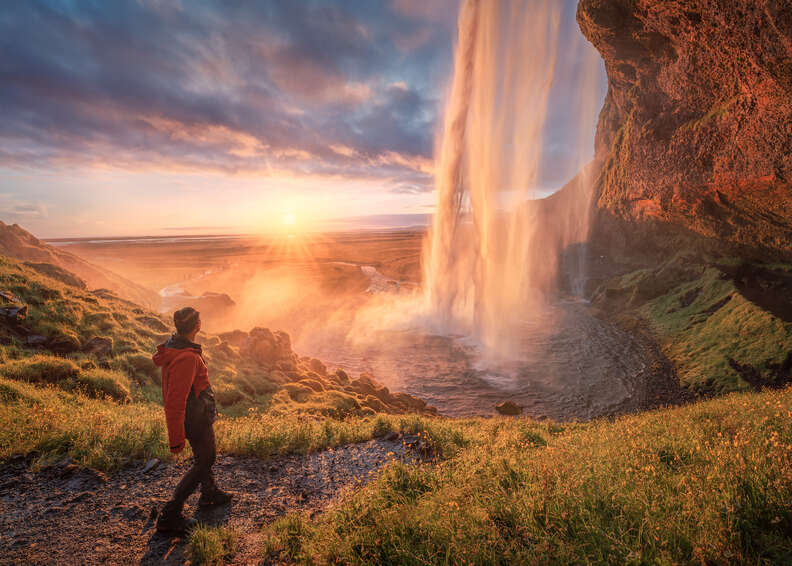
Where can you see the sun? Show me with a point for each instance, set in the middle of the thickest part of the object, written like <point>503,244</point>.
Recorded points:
<point>289,218</point>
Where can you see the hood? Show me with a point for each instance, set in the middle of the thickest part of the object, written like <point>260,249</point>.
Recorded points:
<point>173,348</point>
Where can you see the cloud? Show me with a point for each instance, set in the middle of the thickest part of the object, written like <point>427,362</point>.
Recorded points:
<point>271,86</point>
<point>344,89</point>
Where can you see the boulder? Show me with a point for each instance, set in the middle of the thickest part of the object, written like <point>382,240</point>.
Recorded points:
<point>508,408</point>
<point>64,344</point>
<point>313,384</point>
<point>340,377</point>
<point>317,366</point>
<point>35,340</point>
<point>236,338</point>
<point>14,313</point>
<point>269,348</point>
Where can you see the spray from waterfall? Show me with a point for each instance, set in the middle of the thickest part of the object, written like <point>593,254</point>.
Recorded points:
<point>491,260</point>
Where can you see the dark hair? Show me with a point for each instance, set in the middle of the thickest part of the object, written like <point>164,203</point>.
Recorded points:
<point>186,320</point>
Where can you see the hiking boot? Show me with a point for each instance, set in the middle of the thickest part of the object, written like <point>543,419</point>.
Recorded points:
<point>174,523</point>
<point>215,497</point>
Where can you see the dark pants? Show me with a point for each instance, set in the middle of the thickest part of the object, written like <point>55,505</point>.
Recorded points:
<point>198,427</point>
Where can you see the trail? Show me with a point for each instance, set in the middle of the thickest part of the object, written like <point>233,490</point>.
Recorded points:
<point>69,515</point>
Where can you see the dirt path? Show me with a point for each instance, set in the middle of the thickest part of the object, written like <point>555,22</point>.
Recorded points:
<point>69,515</point>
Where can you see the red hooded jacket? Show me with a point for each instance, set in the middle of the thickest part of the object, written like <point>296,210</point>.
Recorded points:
<point>183,369</point>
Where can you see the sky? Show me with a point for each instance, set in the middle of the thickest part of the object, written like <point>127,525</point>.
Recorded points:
<point>149,117</point>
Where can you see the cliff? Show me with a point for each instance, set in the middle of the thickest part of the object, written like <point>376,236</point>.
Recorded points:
<point>695,135</point>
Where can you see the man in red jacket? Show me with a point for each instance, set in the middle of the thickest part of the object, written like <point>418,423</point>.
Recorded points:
<point>189,413</point>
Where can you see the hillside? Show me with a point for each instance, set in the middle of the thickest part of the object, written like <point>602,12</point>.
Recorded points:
<point>97,345</point>
<point>17,243</point>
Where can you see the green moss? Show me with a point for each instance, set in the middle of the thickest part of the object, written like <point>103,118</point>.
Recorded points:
<point>703,322</point>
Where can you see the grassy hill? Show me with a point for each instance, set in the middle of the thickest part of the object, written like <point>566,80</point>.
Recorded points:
<point>725,323</point>
<point>76,378</point>
<point>707,483</point>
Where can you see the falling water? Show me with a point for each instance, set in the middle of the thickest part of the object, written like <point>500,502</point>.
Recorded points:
<point>491,261</point>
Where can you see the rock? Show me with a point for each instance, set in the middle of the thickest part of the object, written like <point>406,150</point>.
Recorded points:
<point>271,348</point>
<point>391,436</point>
<point>313,384</point>
<point>410,402</point>
<point>693,139</point>
<point>340,376</point>
<point>236,338</point>
<point>150,465</point>
<point>13,313</point>
<point>35,340</point>
<point>318,366</point>
<point>508,408</point>
<point>99,346</point>
<point>64,344</point>
<point>9,296</point>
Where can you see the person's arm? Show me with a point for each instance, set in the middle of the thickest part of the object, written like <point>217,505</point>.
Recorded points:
<point>182,375</point>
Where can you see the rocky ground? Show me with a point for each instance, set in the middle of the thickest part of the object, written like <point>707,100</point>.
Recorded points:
<point>65,514</point>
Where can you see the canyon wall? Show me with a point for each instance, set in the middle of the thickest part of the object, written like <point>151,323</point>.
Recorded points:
<point>695,135</point>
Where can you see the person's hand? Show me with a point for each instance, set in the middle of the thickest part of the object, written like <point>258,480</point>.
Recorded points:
<point>177,449</point>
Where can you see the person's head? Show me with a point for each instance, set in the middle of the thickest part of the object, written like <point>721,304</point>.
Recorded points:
<point>187,321</point>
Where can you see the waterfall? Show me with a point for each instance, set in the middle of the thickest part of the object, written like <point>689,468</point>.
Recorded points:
<point>491,259</point>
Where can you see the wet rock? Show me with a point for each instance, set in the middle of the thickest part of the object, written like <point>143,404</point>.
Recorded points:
<point>13,313</point>
<point>150,465</point>
<point>508,408</point>
<point>99,346</point>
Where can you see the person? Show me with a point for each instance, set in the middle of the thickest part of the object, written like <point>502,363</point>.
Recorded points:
<point>189,414</point>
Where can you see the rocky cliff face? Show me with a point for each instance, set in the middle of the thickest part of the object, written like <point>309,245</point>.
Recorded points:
<point>695,135</point>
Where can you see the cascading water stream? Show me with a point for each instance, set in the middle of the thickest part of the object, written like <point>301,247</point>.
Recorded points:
<point>491,260</point>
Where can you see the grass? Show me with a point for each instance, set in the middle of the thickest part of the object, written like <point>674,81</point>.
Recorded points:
<point>211,545</point>
<point>66,374</point>
<point>51,423</point>
<point>703,323</point>
<point>708,483</point>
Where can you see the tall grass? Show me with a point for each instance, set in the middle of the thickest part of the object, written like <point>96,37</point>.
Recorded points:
<point>211,545</point>
<point>52,423</point>
<point>703,484</point>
